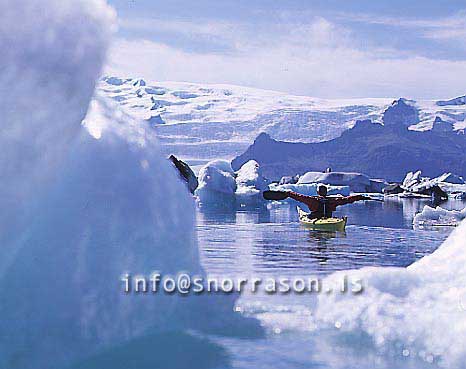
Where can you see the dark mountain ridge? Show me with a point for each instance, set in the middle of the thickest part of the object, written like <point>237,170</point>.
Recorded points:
<point>381,151</point>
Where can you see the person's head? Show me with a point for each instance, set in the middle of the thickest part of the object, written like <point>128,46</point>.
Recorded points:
<point>322,190</point>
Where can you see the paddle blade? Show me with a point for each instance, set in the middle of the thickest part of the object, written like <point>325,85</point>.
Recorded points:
<point>368,198</point>
<point>274,195</point>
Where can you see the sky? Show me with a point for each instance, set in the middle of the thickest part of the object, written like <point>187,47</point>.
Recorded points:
<point>328,49</point>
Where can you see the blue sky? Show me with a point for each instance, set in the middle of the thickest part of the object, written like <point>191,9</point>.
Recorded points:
<point>333,49</point>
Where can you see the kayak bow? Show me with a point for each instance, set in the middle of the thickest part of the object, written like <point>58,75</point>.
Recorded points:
<point>324,224</point>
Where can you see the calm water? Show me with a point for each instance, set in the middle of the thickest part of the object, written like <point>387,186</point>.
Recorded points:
<point>270,241</point>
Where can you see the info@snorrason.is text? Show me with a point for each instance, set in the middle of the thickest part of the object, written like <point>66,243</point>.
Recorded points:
<point>184,283</point>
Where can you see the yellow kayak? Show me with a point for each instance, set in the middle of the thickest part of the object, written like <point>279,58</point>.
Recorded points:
<point>324,224</point>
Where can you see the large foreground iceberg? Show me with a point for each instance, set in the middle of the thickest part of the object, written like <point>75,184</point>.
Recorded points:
<point>419,311</point>
<point>82,205</point>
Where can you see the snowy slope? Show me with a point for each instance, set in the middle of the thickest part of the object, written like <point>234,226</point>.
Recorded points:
<point>417,311</point>
<point>220,121</point>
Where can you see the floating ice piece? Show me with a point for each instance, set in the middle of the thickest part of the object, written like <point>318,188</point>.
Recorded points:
<point>310,189</point>
<point>447,184</point>
<point>289,180</point>
<point>250,183</point>
<point>411,179</point>
<point>434,217</point>
<point>357,182</point>
<point>450,178</point>
<point>217,184</point>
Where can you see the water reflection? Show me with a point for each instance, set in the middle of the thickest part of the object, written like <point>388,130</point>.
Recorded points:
<point>271,240</point>
<point>393,212</point>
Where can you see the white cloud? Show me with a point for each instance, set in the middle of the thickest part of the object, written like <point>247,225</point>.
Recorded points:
<point>318,58</point>
<point>452,27</point>
<point>204,28</point>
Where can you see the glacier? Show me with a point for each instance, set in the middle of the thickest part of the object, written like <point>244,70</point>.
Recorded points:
<point>87,197</point>
<point>202,122</point>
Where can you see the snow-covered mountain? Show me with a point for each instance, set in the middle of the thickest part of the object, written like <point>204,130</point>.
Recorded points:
<point>201,122</point>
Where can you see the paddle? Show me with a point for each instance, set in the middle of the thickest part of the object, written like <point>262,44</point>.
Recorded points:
<point>281,195</point>
<point>274,195</point>
<point>372,199</point>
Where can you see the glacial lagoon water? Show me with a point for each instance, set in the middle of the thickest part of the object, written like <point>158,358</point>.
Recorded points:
<point>268,241</point>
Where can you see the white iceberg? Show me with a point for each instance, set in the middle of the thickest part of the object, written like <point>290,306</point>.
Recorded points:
<point>357,182</point>
<point>411,179</point>
<point>311,189</point>
<point>250,183</point>
<point>419,311</point>
<point>220,186</point>
<point>438,217</point>
<point>217,184</point>
<point>445,185</point>
<point>82,205</point>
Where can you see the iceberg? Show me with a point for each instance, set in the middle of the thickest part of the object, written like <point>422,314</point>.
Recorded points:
<point>411,179</point>
<point>357,182</point>
<point>217,184</point>
<point>447,184</point>
<point>289,180</point>
<point>250,183</point>
<point>310,189</point>
<point>42,86</point>
<point>438,216</point>
<point>85,203</point>
<point>419,311</point>
<point>220,186</point>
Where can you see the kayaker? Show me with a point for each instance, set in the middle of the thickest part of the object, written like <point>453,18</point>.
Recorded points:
<point>322,206</point>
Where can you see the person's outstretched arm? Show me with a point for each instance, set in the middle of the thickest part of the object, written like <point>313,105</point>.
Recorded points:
<point>311,201</point>
<point>337,201</point>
